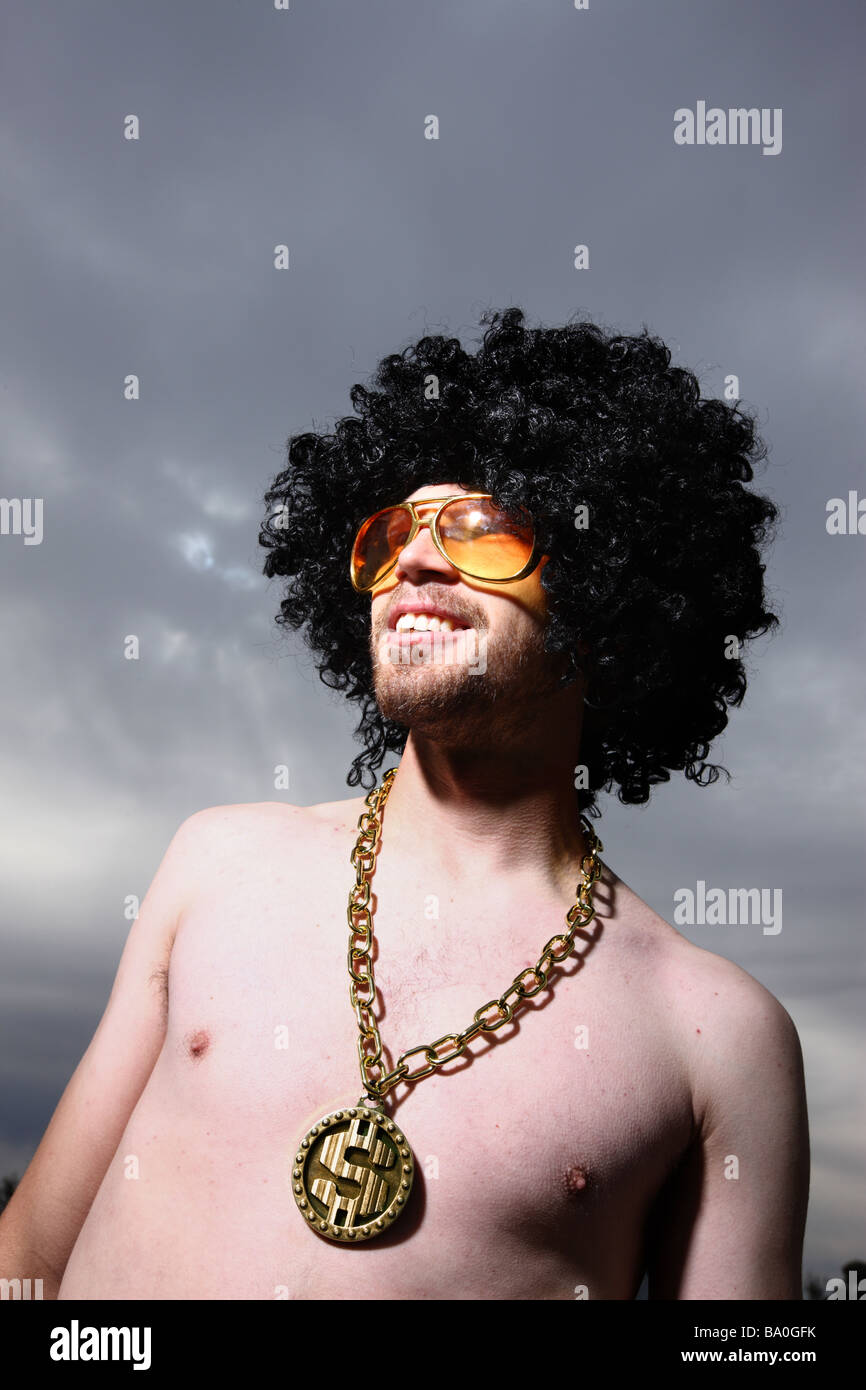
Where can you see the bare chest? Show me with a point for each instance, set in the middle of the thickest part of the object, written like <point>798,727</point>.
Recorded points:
<point>545,1136</point>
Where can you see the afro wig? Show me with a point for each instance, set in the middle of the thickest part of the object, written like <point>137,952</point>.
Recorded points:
<point>644,599</point>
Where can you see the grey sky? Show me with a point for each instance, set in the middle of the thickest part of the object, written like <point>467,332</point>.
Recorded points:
<point>155,257</point>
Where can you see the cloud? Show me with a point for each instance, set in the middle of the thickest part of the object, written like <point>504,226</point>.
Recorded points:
<point>36,461</point>
<point>221,501</point>
<point>198,552</point>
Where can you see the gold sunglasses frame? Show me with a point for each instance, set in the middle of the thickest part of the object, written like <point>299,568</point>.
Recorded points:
<point>432,524</point>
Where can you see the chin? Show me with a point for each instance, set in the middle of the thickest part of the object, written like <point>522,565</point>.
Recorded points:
<point>410,694</point>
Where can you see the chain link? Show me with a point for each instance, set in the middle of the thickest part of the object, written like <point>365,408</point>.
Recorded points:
<point>524,986</point>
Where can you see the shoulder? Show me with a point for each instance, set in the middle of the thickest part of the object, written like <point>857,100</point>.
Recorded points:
<point>258,827</point>
<point>732,1034</point>
<point>738,1042</point>
<point>216,828</point>
<point>729,1221</point>
<point>220,849</point>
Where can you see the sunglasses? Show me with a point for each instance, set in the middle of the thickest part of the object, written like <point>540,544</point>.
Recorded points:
<point>478,538</point>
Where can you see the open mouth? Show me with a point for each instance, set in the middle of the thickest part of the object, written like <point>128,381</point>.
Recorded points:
<point>409,623</point>
<point>422,639</point>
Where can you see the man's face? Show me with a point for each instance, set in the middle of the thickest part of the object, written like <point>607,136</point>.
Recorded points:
<point>472,683</point>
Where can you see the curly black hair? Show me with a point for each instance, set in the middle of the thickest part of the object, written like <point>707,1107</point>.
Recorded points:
<point>667,571</point>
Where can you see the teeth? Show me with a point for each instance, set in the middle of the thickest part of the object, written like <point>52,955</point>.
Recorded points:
<point>421,622</point>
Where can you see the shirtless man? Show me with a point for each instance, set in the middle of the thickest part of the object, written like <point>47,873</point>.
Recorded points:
<point>585,1143</point>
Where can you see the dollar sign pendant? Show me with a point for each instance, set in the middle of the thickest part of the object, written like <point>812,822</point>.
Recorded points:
<point>352,1174</point>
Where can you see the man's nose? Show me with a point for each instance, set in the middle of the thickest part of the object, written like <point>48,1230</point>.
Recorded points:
<point>420,556</point>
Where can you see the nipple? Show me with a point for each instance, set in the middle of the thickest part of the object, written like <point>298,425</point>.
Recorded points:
<point>576,1180</point>
<point>197,1043</point>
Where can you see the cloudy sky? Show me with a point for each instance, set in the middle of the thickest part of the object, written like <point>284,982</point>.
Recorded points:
<point>155,257</point>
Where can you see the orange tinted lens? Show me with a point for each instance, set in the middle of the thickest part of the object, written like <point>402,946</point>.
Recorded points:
<point>377,544</point>
<point>483,541</point>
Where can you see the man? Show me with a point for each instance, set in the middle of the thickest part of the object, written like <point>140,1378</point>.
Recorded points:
<point>581,527</point>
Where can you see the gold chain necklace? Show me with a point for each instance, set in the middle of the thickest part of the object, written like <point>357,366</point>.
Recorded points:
<point>353,1171</point>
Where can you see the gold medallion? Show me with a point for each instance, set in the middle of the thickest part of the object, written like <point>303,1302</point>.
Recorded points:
<point>352,1174</point>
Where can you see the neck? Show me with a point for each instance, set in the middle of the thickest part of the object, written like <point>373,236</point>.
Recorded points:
<point>500,818</point>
